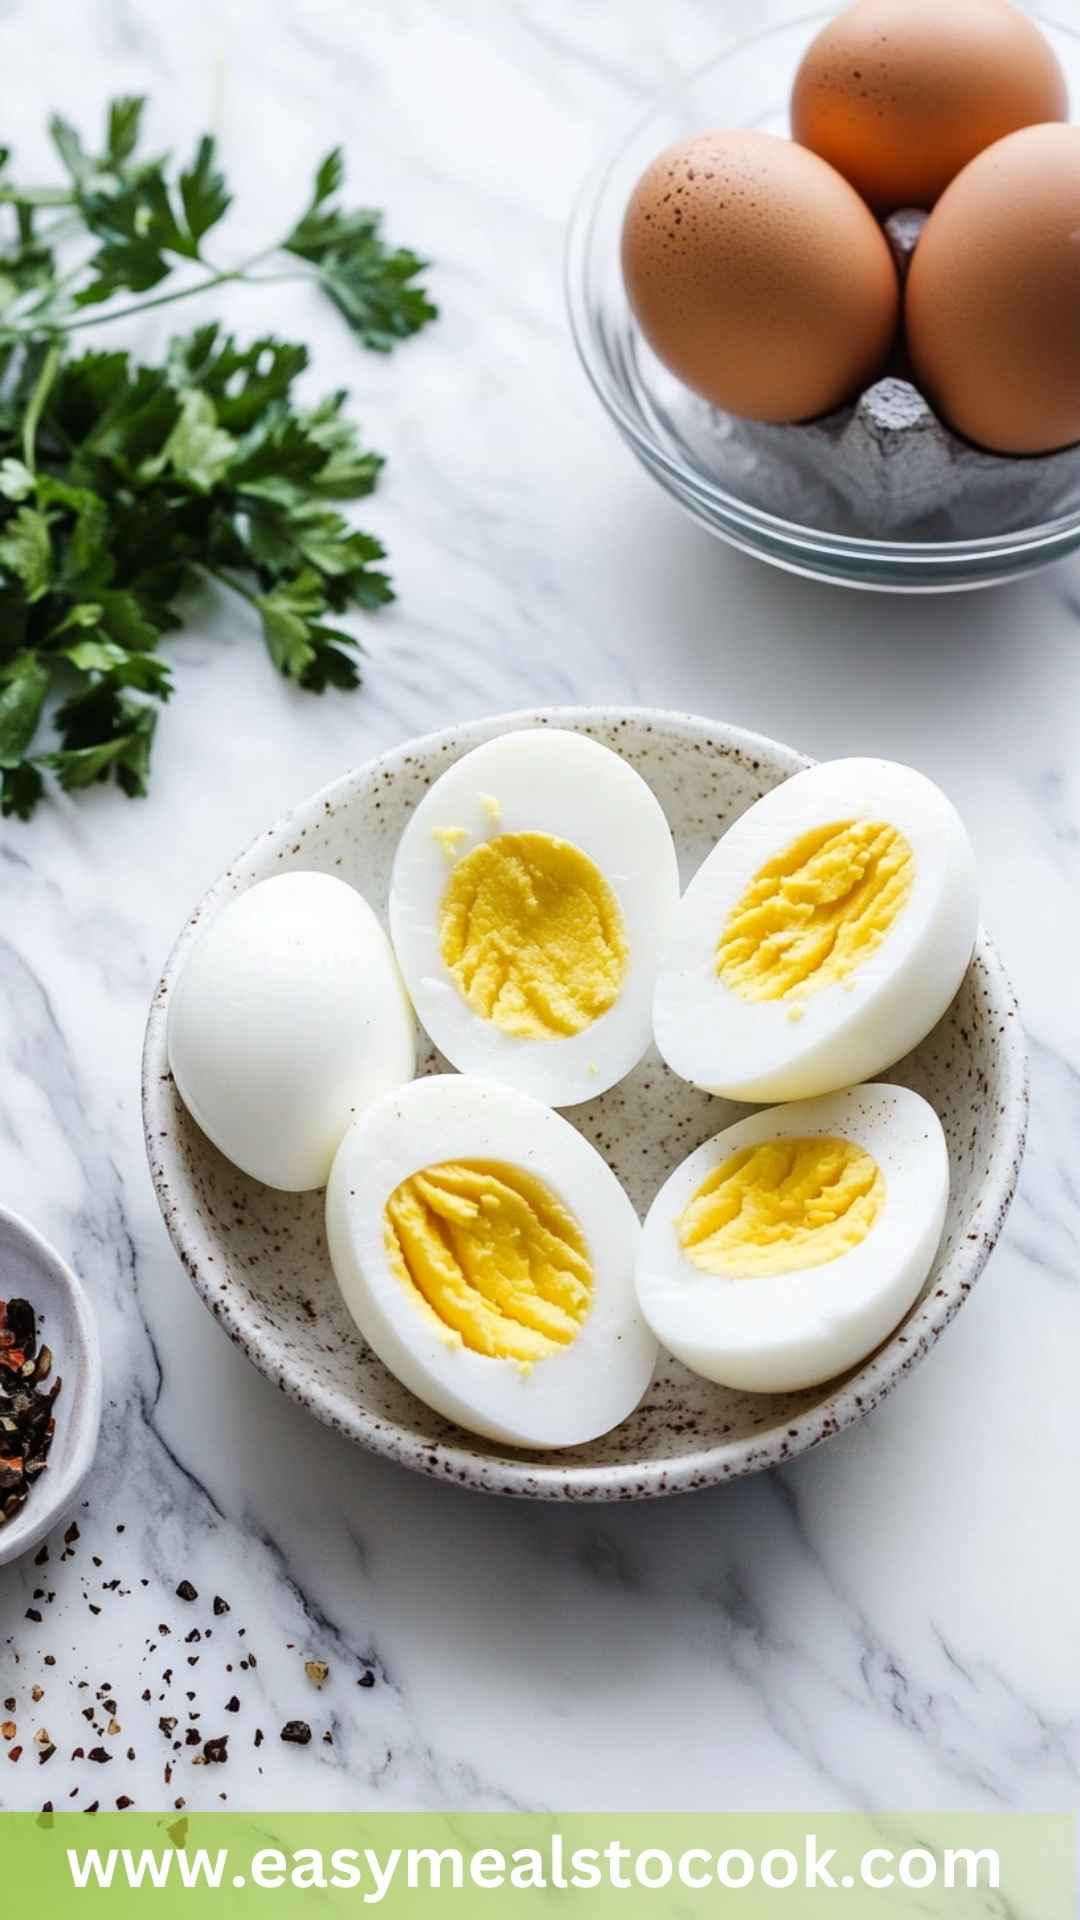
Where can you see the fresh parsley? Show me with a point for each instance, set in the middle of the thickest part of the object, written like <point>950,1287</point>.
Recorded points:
<point>123,485</point>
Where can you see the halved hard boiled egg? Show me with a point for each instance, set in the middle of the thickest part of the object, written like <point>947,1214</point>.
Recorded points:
<point>786,1249</point>
<point>823,937</point>
<point>529,896</point>
<point>486,1253</point>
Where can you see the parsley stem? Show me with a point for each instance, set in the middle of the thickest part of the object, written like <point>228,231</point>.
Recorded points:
<point>37,197</point>
<point>57,286</point>
<point>220,277</point>
<point>144,306</point>
<point>229,580</point>
<point>36,407</point>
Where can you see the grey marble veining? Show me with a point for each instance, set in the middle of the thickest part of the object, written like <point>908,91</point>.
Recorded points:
<point>890,1622</point>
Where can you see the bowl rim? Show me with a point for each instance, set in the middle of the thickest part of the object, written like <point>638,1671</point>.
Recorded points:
<point>55,1493</point>
<point>525,1477</point>
<point>798,546</point>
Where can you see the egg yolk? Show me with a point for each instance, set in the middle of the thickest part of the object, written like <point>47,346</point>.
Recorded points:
<point>780,1206</point>
<point>817,912</point>
<point>490,1252</point>
<point>533,936</point>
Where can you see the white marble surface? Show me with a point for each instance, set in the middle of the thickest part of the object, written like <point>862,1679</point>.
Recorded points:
<point>893,1620</point>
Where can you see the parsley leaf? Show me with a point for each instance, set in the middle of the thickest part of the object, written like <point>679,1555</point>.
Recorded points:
<point>24,682</point>
<point>204,197</point>
<point>369,282</point>
<point>123,486</point>
<point>122,124</point>
<point>25,551</point>
<point>138,219</point>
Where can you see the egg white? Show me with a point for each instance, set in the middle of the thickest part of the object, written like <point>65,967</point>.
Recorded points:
<point>288,1017</point>
<point>568,1397</point>
<point>847,1031</point>
<point>777,1333</point>
<point>548,781</point>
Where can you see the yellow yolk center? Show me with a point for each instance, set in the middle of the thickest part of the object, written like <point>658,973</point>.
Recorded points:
<point>493,1255</point>
<point>780,1206</point>
<point>533,935</point>
<point>816,912</point>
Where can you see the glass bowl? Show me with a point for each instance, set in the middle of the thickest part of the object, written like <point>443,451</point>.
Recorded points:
<point>699,456</point>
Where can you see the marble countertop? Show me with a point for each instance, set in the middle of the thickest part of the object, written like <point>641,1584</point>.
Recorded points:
<point>891,1621</point>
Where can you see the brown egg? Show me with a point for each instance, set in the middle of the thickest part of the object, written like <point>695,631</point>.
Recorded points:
<point>993,296</point>
<point>758,275</point>
<point>900,94</point>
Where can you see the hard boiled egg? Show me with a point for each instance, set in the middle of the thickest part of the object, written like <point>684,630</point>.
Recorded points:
<point>823,937</point>
<point>287,1019</point>
<point>785,1250</point>
<point>529,896</point>
<point>486,1253</point>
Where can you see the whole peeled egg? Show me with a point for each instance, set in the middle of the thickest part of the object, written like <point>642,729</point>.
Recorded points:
<point>993,296</point>
<point>899,95</point>
<point>286,1021</point>
<point>758,276</point>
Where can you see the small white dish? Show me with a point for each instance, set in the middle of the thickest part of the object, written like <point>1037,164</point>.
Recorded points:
<point>258,1258</point>
<point>31,1269</point>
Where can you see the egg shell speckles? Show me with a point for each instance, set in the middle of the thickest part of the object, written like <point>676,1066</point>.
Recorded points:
<point>259,1260</point>
<point>899,95</point>
<point>758,276</point>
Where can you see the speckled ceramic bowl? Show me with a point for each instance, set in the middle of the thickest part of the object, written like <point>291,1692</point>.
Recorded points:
<point>258,1258</point>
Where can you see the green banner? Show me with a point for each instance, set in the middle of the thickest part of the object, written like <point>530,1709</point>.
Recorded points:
<point>592,1865</point>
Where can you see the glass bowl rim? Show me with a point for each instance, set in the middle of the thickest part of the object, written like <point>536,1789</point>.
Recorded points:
<point>694,491</point>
